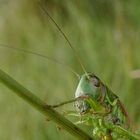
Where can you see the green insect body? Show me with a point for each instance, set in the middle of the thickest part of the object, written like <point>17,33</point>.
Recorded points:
<point>99,106</point>
<point>101,100</point>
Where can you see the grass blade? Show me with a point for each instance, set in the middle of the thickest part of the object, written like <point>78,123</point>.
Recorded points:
<point>42,107</point>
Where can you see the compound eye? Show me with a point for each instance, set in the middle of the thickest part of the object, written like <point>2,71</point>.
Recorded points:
<point>96,81</point>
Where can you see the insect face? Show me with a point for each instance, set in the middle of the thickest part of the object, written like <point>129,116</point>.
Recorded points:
<point>89,85</point>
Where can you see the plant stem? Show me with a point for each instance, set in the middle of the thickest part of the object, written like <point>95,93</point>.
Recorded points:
<point>42,107</point>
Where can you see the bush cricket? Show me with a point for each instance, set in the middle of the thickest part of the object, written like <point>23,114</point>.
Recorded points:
<point>94,101</point>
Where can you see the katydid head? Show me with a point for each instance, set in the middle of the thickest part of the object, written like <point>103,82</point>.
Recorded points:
<point>89,85</point>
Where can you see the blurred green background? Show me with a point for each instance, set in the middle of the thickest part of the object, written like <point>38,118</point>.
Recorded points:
<point>106,35</point>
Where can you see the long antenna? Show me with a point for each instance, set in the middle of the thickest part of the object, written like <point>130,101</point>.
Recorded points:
<point>40,55</point>
<point>64,35</point>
